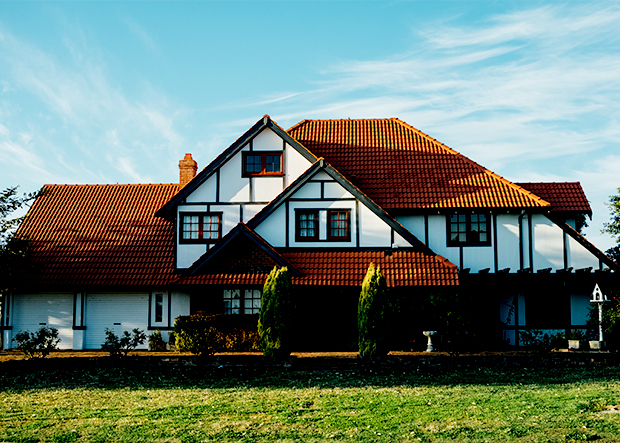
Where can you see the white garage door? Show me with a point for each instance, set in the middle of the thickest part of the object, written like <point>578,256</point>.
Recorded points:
<point>117,312</point>
<point>33,311</point>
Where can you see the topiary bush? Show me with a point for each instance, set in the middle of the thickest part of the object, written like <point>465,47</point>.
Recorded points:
<point>372,315</point>
<point>274,321</point>
<point>126,343</point>
<point>37,344</point>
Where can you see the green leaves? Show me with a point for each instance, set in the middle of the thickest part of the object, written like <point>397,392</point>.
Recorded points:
<point>372,315</point>
<point>274,322</point>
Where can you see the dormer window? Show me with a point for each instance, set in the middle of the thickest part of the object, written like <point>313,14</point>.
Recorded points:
<point>262,163</point>
<point>200,227</point>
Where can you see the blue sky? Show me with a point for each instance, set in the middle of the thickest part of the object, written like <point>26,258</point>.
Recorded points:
<point>117,92</point>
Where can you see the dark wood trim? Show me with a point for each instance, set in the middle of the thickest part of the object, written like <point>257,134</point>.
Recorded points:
<point>495,257</point>
<point>331,237</point>
<point>6,328</point>
<point>217,186</point>
<point>200,225</point>
<point>298,213</point>
<point>284,158</point>
<point>322,190</point>
<point>225,203</point>
<point>469,233</point>
<point>531,241</point>
<point>241,213</point>
<point>460,257</point>
<point>287,223</point>
<point>247,137</point>
<point>521,258</point>
<point>357,223</point>
<point>321,199</point>
<point>263,155</point>
<point>161,328</point>
<point>565,249</point>
<point>150,308</point>
<point>169,308</point>
<point>250,189</point>
<point>426,229</point>
<point>79,328</point>
<point>391,237</point>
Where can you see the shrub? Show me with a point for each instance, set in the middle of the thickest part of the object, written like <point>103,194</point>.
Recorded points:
<point>203,334</point>
<point>274,328</point>
<point>372,315</point>
<point>123,345</point>
<point>37,344</point>
<point>197,334</point>
<point>156,341</point>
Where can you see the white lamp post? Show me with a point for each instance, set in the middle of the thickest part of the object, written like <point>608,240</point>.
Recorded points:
<point>599,298</point>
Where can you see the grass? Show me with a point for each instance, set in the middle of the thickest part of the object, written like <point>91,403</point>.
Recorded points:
<point>271,404</point>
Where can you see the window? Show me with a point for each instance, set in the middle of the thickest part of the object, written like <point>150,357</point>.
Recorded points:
<point>469,230</point>
<point>338,225</point>
<point>237,301</point>
<point>262,163</point>
<point>159,308</point>
<point>200,227</point>
<point>307,225</point>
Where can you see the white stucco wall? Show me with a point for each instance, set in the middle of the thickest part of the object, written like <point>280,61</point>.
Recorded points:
<point>267,140</point>
<point>265,189</point>
<point>548,244</point>
<point>233,186</point>
<point>206,192</point>
<point>295,164</point>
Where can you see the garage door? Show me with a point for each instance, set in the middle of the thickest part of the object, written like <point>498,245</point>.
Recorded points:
<point>118,312</point>
<point>33,311</point>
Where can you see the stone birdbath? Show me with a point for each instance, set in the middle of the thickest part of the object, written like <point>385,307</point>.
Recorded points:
<point>429,344</point>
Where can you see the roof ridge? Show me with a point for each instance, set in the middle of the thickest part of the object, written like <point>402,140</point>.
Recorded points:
<point>486,170</point>
<point>59,185</point>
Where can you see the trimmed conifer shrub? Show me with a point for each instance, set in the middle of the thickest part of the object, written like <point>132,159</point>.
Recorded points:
<point>372,315</point>
<point>274,321</point>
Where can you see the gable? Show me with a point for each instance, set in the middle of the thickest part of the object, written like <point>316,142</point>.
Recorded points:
<point>400,167</point>
<point>222,180</point>
<point>321,191</point>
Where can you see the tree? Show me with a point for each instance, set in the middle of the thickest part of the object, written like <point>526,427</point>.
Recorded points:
<point>613,227</point>
<point>372,315</point>
<point>274,320</point>
<point>13,250</point>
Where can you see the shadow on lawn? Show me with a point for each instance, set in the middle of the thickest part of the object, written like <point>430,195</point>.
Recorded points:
<point>129,374</point>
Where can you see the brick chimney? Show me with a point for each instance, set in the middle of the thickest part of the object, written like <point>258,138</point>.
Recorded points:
<point>187,170</point>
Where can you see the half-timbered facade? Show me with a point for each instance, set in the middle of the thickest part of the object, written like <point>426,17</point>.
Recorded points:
<point>325,198</point>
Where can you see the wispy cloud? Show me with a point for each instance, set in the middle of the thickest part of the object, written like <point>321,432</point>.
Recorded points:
<point>83,108</point>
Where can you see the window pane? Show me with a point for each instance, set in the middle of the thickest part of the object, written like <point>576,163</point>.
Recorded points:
<point>272,163</point>
<point>159,307</point>
<point>339,224</point>
<point>253,164</point>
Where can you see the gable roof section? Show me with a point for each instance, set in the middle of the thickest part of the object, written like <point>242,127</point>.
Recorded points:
<point>585,243</point>
<point>563,197</point>
<point>241,250</point>
<point>346,268</point>
<point>97,235</point>
<point>327,168</point>
<point>167,211</point>
<point>400,167</point>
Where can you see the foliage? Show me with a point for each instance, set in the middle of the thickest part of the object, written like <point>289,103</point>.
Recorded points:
<point>203,334</point>
<point>535,340</point>
<point>581,223</point>
<point>37,344</point>
<point>197,334</point>
<point>614,254</point>
<point>125,344</point>
<point>450,314</point>
<point>13,250</point>
<point>156,341</point>
<point>613,227</point>
<point>373,314</point>
<point>611,322</point>
<point>274,321</point>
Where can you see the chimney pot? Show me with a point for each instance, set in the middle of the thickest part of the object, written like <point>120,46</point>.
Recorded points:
<point>187,170</point>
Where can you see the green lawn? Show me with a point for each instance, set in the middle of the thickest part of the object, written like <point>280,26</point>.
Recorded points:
<point>267,404</point>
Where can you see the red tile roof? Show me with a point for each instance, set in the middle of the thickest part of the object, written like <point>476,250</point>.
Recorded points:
<point>87,235</point>
<point>347,268</point>
<point>564,197</point>
<point>400,167</point>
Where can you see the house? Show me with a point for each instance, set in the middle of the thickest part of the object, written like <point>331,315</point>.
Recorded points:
<point>324,198</point>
